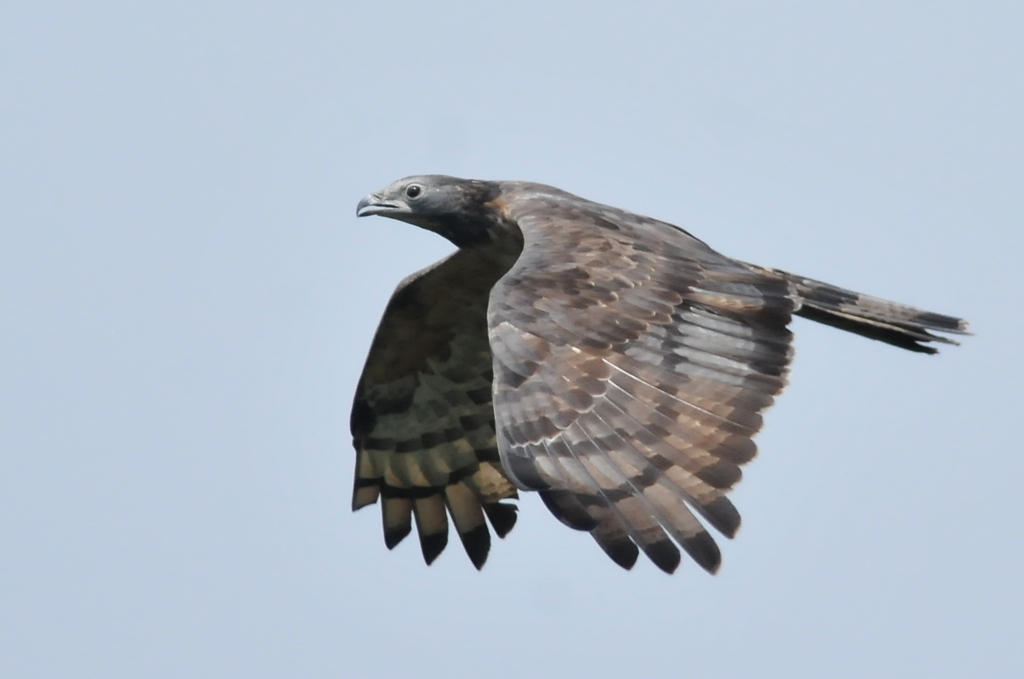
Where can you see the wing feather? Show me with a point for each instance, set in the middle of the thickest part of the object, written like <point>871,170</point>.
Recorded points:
<point>665,502</point>
<point>423,423</point>
<point>630,377</point>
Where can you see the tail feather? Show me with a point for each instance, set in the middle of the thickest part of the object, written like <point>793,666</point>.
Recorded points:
<point>897,324</point>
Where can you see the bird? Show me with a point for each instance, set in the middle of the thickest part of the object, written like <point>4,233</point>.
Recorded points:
<point>613,363</point>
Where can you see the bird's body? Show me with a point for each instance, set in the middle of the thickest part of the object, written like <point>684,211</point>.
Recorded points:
<point>612,362</point>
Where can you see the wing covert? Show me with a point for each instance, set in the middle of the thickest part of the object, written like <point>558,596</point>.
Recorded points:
<point>632,364</point>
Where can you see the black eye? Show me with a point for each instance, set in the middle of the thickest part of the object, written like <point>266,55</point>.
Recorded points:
<point>413,190</point>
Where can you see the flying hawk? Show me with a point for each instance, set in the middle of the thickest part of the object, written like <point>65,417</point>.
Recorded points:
<point>613,363</point>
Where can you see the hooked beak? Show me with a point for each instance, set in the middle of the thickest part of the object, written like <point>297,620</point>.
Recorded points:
<point>374,205</point>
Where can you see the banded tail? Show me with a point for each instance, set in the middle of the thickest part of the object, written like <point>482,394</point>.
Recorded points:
<point>897,324</point>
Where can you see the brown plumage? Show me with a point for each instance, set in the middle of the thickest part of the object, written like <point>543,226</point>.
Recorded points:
<point>612,362</point>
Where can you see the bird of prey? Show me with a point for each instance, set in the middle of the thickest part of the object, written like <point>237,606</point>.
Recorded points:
<point>613,363</point>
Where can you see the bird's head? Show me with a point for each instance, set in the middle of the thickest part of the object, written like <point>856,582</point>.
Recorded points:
<point>457,209</point>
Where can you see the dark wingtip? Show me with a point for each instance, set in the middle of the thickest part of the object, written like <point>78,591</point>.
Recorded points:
<point>392,536</point>
<point>502,516</point>
<point>722,514</point>
<point>478,544</point>
<point>703,549</point>
<point>623,552</point>
<point>664,554</point>
<point>433,545</point>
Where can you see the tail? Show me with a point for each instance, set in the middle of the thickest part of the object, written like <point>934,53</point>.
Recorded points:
<point>897,324</point>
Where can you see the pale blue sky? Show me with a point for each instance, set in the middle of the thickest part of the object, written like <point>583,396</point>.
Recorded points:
<point>186,299</point>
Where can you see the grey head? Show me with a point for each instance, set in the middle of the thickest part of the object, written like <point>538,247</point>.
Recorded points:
<point>455,208</point>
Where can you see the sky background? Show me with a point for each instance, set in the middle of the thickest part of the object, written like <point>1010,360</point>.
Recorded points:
<point>186,300</point>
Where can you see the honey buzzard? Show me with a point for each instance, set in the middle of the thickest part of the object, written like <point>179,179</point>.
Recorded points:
<point>613,363</point>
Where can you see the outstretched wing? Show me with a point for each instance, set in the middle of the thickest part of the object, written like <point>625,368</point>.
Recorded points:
<point>631,364</point>
<point>423,422</point>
